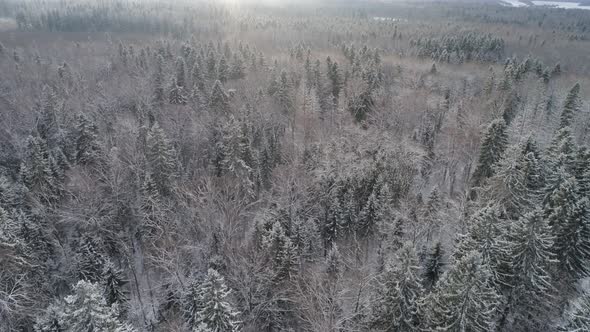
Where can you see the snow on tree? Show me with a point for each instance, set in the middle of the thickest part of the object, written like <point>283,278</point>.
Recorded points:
<point>114,284</point>
<point>529,257</point>
<point>219,100</point>
<point>87,311</point>
<point>571,229</point>
<point>464,299</point>
<point>216,312</point>
<point>88,147</point>
<point>161,157</point>
<point>90,261</point>
<point>433,266</point>
<point>577,316</point>
<point>492,149</point>
<point>397,306</point>
<point>180,72</point>
<point>176,96</point>
<point>571,107</point>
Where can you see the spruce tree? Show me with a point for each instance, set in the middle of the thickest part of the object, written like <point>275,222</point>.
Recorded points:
<point>223,70</point>
<point>114,284</point>
<point>577,317</point>
<point>159,94</point>
<point>219,100</point>
<point>88,147</point>
<point>87,311</point>
<point>492,149</point>
<point>571,107</point>
<point>572,237</point>
<point>50,320</point>
<point>198,78</point>
<point>464,299</point>
<point>176,96</point>
<point>216,312</point>
<point>433,266</point>
<point>161,157</point>
<point>90,261</point>
<point>529,257</point>
<point>397,306</point>
<point>180,72</point>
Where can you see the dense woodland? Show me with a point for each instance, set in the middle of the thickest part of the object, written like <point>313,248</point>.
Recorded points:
<point>339,166</point>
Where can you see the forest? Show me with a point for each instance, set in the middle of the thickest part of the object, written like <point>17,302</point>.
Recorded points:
<point>293,166</point>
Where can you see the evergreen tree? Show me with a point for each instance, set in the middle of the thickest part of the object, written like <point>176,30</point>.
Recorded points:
<point>431,214</point>
<point>159,94</point>
<point>572,233</point>
<point>577,317</point>
<point>198,78</point>
<point>398,302</point>
<point>283,93</point>
<point>36,170</point>
<point>492,149</point>
<point>223,70</point>
<point>50,320</point>
<point>464,299</point>
<point>529,253</point>
<point>90,261</point>
<point>216,313</point>
<point>180,73</point>
<point>114,285</point>
<point>571,107</point>
<point>88,147</point>
<point>486,235</point>
<point>86,311</point>
<point>176,95</point>
<point>219,100</point>
<point>433,266</point>
<point>192,304</point>
<point>161,157</point>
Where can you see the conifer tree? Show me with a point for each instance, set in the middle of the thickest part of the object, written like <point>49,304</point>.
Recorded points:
<point>571,107</point>
<point>492,149</point>
<point>89,260</point>
<point>433,266</point>
<point>572,234</point>
<point>159,94</point>
<point>191,303</point>
<point>161,157</point>
<point>86,311</point>
<point>464,299</point>
<point>223,70</point>
<point>176,95</point>
<point>197,76</point>
<point>88,148</point>
<point>50,320</point>
<point>219,100</point>
<point>216,313</point>
<point>529,254</point>
<point>431,215</point>
<point>398,302</point>
<point>577,317</point>
<point>180,72</point>
<point>114,285</point>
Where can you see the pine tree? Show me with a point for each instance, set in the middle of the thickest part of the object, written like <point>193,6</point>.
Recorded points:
<point>88,147</point>
<point>433,266</point>
<point>237,70</point>
<point>161,157</point>
<point>492,149</point>
<point>464,299</point>
<point>36,171</point>
<point>219,100</point>
<point>397,306</point>
<point>571,107</point>
<point>283,93</point>
<point>216,313</point>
